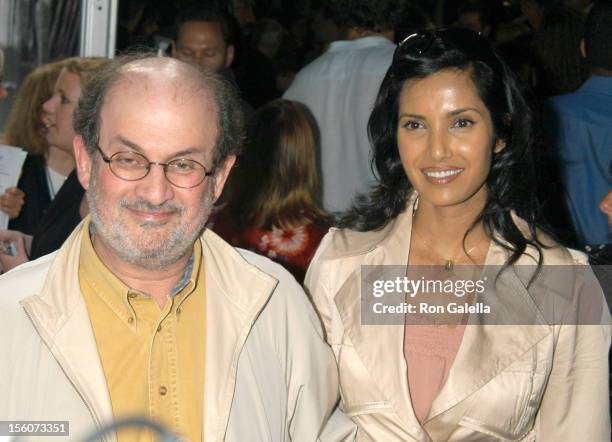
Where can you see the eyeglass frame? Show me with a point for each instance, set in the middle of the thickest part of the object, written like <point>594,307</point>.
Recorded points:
<point>108,160</point>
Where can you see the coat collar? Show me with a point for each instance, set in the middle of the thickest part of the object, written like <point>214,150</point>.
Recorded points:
<point>60,317</point>
<point>236,293</point>
<point>381,348</point>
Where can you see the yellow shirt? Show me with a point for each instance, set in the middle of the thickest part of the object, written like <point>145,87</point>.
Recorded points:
<point>153,359</point>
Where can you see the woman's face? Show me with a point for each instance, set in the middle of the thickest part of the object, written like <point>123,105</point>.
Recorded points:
<point>58,110</point>
<point>445,138</point>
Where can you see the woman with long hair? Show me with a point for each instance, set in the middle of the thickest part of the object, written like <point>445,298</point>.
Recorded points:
<point>452,137</point>
<point>272,204</point>
<point>69,206</point>
<point>46,167</point>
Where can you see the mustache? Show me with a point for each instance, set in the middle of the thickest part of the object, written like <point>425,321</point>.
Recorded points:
<point>146,206</point>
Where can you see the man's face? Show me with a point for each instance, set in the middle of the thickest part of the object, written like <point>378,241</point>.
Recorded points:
<point>150,222</point>
<point>201,43</point>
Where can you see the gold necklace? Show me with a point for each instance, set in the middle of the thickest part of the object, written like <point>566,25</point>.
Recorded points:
<point>449,263</point>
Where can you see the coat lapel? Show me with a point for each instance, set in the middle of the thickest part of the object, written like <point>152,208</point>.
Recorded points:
<point>236,292</point>
<point>60,316</point>
<point>381,347</point>
<point>491,343</point>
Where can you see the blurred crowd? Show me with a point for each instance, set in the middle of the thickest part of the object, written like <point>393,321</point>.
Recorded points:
<point>308,73</point>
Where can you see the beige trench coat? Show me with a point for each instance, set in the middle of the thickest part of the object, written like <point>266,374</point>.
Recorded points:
<point>269,374</point>
<point>536,382</point>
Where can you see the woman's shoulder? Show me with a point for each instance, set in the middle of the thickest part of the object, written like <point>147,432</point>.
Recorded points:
<point>343,242</point>
<point>553,253</point>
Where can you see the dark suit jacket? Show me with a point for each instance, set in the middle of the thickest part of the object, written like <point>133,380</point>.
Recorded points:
<point>34,184</point>
<point>61,218</point>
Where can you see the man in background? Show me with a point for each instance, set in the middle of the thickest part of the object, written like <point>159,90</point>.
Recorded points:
<point>203,37</point>
<point>339,88</point>
<point>580,129</point>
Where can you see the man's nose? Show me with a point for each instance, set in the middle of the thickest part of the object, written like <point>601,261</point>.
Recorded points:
<point>154,187</point>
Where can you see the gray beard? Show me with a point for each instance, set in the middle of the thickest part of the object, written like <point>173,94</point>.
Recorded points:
<point>144,251</point>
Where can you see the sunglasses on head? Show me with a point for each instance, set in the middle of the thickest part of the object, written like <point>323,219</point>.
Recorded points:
<point>420,42</point>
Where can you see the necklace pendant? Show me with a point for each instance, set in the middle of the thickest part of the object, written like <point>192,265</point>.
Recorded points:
<point>449,264</point>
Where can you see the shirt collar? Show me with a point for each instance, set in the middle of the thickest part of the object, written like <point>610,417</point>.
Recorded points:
<point>105,282</point>
<point>598,84</point>
<point>363,42</point>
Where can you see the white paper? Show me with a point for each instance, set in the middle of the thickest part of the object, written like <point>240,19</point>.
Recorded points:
<point>11,162</point>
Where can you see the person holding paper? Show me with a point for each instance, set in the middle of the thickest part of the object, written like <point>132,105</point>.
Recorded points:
<point>11,200</point>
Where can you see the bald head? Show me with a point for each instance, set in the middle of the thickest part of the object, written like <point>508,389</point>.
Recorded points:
<point>161,78</point>
<point>162,70</point>
<point>158,80</point>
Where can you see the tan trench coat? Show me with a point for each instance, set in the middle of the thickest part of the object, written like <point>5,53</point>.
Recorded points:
<point>536,382</point>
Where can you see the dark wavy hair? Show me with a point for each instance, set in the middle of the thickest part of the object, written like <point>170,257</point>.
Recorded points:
<point>511,181</point>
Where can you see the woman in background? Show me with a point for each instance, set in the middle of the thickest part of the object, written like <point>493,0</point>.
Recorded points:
<point>272,202</point>
<point>69,205</point>
<point>452,137</point>
<point>46,167</point>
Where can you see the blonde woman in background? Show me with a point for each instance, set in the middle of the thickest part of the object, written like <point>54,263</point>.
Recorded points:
<point>46,166</point>
<point>68,206</point>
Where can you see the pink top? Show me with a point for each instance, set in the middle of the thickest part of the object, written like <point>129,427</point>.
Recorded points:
<point>429,351</point>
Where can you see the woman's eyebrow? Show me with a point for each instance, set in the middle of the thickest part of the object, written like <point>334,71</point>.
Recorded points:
<point>464,109</point>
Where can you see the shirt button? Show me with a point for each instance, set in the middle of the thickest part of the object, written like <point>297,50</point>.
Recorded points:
<point>130,320</point>
<point>163,390</point>
<point>159,328</point>
<point>178,310</point>
<point>132,295</point>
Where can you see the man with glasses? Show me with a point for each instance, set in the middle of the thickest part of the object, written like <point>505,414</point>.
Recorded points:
<point>142,314</point>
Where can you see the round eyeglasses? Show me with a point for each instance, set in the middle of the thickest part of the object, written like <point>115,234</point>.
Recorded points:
<point>133,166</point>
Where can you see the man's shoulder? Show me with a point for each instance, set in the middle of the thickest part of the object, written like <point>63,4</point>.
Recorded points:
<point>563,103</point>
<point>590,97</point>
<point>245,260</point>
<point>23,281</point>
<point>344,54</point>
<point>288,291</point>
<point>287,294</point>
